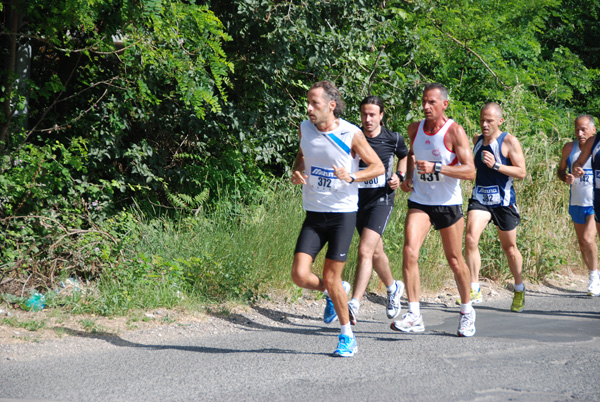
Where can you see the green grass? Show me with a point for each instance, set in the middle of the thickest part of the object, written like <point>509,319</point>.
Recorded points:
<point>91,326</point>
<point>30,325</point>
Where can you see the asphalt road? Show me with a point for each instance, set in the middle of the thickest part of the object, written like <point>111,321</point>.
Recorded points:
<point>550,352</point>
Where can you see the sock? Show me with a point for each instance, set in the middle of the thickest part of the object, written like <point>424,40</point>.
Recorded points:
<point>346,330</point>
<point>326,293</point>
<point>466,308</point>
<point>415,308</point>
<point>355,302</point>
<point>392,288</point>
<point>519,288</point>
<point>594,274</point>
<point>475,286</point>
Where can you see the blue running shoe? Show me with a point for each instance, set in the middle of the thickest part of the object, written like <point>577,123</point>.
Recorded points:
<point>346,347</point>
<point>330,315</point>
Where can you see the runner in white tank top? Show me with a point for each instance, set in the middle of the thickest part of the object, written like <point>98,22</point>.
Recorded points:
<point>581,198</point>
<point>434,188</point>
<point>327,168</point>
<point>440,153</point>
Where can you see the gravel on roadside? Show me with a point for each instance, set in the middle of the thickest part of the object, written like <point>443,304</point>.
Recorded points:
<point>62,332</point>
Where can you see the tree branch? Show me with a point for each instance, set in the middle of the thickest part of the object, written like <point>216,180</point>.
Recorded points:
<point>56,127</point>
<point>370,80</point>
<point>475,54</point>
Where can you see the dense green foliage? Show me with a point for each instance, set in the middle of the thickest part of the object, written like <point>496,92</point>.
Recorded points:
<point>190,108</point>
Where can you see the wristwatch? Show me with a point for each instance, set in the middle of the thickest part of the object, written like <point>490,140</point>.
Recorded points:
<point>352,178</point>
<point>496,166</point>
<point>400,175</point>
<point>437,167</point>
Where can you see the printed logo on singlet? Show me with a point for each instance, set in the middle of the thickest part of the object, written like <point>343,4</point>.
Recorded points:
<point>436,152</point>
<point>597,181</point>
<point>322,172</point>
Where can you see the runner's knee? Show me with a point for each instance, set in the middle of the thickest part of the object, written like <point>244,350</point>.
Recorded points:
<point>365,251</point>
<point>511,250</point>
<point>410,254</point>
<point>299,279</point>
<point>456,265</point>
<point>471,242</point>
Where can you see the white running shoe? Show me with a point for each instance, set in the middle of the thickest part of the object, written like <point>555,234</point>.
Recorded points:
<point>594,287</point>
<point>393,304</point>
<point>466,325</point>
<point>410,323</point>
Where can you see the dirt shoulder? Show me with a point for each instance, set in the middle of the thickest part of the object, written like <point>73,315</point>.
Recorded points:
<point>52,325</point>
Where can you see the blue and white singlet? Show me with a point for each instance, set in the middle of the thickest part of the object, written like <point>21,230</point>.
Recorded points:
<point>434,188</point>
<point>323,191</point>
<point>582,189</point>
<point>492,188</point>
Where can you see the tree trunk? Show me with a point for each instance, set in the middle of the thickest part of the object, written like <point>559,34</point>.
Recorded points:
<point>12,15</point>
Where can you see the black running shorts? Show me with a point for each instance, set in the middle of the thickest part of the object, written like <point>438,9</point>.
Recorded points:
<point>441,216</point>
<point>374,217</point>
<point>506,218</point>
<point>333,228</point>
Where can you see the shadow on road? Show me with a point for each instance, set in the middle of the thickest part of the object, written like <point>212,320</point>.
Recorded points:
<point>568,292</point>
<point>549,313</point>
<point>118,341</point>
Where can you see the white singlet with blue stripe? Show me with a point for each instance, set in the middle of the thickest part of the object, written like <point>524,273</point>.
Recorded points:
<point>323,191</point>
<point>434,188</point>
<point>582,189</point>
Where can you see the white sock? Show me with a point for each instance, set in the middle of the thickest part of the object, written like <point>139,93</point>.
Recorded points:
<point>520,287</point>
<point>415,308</point>
<point>355,302</point>
<point>475,286</point>
<point>466,308</point>
<point>346,330</point>
<point>392,288</point>
<point>594,274</point>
